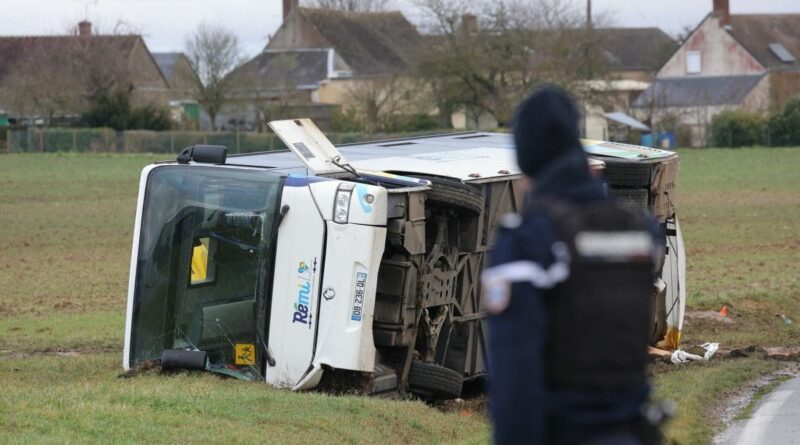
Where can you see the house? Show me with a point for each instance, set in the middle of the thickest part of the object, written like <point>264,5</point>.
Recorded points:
<point>729,61</point>
<point>632,56</point>
<point>363,44</point>
<point>286,73</point>
<point>319,60</point>
<point>178,72</point>
<point>182,81</point>
<point>49,78</point>
<point>339,58</point>
<point>278,83</point>
<point>621,62</point>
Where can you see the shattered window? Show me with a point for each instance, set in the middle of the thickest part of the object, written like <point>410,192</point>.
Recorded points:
<point>203,266</point>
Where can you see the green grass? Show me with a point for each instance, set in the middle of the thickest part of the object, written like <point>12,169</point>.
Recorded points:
<point>740,214</point>
<point>740,211</point>
<point>91,331</point>
<point>81,400</point>
<point>698,390</point>
<point>759,394</point>
<point>67,223</point>
<point>65,234</point>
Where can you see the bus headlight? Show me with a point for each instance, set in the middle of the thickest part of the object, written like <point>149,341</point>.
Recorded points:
<point>341,207</point>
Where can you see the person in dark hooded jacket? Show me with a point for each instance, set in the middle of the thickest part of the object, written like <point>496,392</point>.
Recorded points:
<point>527,262</point>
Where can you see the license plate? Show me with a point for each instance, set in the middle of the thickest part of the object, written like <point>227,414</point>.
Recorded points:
<point>358,296</point>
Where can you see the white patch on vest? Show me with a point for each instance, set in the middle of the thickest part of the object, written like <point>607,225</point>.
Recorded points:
<point>497,280</point>
<point>511,220</point>
<point>497,295</point>
<point>620,245</point>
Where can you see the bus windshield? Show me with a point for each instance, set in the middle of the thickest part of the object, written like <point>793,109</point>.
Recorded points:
<point>202,270</point>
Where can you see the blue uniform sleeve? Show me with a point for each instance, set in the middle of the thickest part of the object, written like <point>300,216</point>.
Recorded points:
<point>516,338</point>
<point>527,253</point>
<point>504,248</point>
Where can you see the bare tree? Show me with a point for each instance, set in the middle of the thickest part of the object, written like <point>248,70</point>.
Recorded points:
<point>213,52</point>
<point>352,5</point>
<point>379,102</point>
<point>274,96</point>
<point>487,56</point>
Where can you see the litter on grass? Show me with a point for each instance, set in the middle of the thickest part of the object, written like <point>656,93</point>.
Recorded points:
<point>679,356</point>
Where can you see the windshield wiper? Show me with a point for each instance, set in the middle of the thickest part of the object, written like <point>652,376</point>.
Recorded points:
<point>274,233</point>
<point>349,169</point>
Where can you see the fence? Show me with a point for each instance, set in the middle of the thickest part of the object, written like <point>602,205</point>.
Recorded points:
<point>105,140</point>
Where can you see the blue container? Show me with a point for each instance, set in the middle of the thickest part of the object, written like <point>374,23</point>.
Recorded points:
<point>667,140</point>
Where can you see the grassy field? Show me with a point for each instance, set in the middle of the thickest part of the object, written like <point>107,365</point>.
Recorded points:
<point>740,213</point>
<point>65,231</point>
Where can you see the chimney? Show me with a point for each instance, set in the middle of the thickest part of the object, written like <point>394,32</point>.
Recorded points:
<point>469,24</point>
<point>85,29</point>
<point>288,5</point>
<point>722,11</point>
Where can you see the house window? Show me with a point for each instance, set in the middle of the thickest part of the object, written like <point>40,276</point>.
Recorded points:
<point>693,62</point>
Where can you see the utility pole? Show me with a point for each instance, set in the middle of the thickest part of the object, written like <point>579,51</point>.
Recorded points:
<point>589,41</point>
<point>588,61</point>
<point>589,14</point>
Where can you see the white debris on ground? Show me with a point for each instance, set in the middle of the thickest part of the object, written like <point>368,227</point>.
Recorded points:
<point>679,356</point>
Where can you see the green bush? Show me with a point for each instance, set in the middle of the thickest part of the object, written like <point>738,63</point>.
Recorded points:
<point>345,121</point>
<point>784,127</point>
<point>149,117</point>
<point>737,128</point>
<point>114,110</point>
<point>416,122</point>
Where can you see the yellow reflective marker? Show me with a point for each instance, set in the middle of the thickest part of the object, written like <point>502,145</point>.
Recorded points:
<point>671,340</point>
<point>245,354</point>
<point>200,262</point>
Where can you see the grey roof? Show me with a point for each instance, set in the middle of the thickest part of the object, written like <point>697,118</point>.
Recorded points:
<point>697,91</point>
<point>635,49</point>
<point>53,49</point>
<point>755,32</point>
<point>282,70</point>
<point>369,42</point>
<point>166,63</point>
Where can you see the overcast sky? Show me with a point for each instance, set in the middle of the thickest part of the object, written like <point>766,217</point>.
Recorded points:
<point>165,23</point>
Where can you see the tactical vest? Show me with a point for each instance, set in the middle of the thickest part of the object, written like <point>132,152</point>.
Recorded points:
<point>599,317</point>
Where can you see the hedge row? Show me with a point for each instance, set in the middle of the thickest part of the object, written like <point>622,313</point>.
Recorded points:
<point>738,128</point>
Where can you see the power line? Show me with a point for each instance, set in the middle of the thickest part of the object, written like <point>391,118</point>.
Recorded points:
<point>632,4</point>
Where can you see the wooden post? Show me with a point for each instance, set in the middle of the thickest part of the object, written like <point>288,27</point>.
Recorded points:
<point>237,140</point>
<point>41,140</point>
<point>171,141</point>
<point>8,140</point>
<point>74,139</point>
